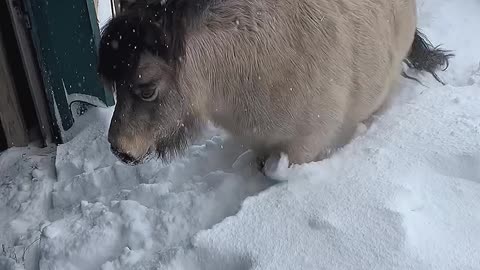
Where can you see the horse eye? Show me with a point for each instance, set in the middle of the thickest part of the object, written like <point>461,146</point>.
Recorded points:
<point>148,94</point>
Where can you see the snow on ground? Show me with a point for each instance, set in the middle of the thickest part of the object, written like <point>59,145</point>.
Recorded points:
<point>404,194</point>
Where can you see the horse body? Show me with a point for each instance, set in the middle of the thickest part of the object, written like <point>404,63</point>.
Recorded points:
<point>281,76</point>
<point>296,76</point>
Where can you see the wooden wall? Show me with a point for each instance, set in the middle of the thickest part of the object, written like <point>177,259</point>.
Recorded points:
<point>11,115</point>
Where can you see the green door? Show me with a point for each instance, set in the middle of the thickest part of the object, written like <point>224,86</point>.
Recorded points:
<point>66,37</point>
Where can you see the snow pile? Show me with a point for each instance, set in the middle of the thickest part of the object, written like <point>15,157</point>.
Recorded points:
<point>119,215</point>
<point>26,179</point>
<point>404,194</point>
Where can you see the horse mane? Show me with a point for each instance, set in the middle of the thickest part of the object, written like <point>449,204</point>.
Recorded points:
<point>154,26</point>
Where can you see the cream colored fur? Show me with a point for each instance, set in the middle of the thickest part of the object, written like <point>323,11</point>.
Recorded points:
<point>295,76</point>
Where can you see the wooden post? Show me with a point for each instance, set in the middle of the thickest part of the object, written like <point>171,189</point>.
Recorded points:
<point>32,71</point>
<point>115,4</point>
<point>11,114</point>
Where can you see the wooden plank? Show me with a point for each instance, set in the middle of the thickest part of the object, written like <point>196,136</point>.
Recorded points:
<point>115,4</point>
<point>10,113</point>
<point>31,67</point>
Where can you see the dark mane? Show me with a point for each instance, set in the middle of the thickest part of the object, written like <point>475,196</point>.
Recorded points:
<point>153,26</point>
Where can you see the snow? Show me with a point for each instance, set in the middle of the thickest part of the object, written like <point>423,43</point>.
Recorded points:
<point>412,204</point>
<point>404,194</point>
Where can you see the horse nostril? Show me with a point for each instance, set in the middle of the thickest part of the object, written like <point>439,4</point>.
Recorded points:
<point>125,158</point>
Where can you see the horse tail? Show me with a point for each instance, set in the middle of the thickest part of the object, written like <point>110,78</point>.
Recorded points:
<point>423,56</point>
